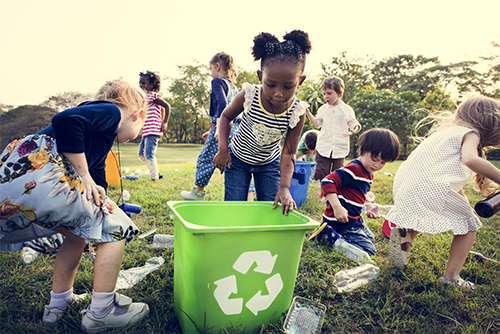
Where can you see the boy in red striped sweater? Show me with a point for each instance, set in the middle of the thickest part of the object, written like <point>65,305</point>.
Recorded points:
<point>345,189</point>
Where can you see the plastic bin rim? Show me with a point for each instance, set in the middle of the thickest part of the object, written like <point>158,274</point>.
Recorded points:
<point>197,229</point>
<point>300,162</point>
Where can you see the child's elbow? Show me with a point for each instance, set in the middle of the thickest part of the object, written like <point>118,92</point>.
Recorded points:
<point>471,161</point>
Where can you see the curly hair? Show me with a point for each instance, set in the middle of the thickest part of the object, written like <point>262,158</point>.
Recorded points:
<point>293,49</point>
<point>153,78</point>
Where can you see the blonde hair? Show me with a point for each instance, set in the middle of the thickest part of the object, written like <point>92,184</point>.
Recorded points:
<point>480,113</point>
<point>129,99</point>
<point>226,62</point>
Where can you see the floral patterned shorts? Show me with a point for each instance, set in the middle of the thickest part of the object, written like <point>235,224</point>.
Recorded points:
<point>40,191</point>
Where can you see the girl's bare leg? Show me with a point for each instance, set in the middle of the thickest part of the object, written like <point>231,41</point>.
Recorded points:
<point>459,250</point>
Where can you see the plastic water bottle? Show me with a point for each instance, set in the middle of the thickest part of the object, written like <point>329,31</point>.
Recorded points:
<point>351,251</point>
<point>126,195</point>
<point>163,240</point>
<point>350,279</point>
<point>384,209</point>
<point>28,254</point>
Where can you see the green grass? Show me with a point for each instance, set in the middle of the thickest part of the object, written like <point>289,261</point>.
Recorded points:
<point>410,301</point>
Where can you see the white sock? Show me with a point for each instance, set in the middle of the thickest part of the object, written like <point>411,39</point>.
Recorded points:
<point>61,299</point>
<point>102,302</point>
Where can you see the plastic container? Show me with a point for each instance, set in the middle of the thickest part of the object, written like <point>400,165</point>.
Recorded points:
<point>350,279</point>
<point>488,206</point>
<point>302,173</point>
<point>129,209</point>
<point>304,317</point>
<point>235,263</point>
<point>112,168</point>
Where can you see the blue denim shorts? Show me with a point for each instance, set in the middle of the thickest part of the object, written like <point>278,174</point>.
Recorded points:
<point>237,180</point>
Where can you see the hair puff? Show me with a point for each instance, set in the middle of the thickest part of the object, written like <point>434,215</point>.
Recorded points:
<point>260,41</point>
<point>301,38</point>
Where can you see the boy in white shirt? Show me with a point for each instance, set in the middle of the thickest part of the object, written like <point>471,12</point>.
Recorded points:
<point>337,122</point>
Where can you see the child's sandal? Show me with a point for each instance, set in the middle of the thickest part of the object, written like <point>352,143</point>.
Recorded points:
<point>399,247</point>
<point>459,282</point>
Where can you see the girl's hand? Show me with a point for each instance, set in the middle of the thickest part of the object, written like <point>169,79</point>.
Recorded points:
<point>93,190</point>
<point>341,214</point>
<point>287,202</point>
<point>221,159</point>
<point>216,135</point>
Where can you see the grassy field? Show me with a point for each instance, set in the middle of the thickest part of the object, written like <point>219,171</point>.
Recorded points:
<point>410,301</point>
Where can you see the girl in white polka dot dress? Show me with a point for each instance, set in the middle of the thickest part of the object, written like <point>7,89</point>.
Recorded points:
<point>428,186</point>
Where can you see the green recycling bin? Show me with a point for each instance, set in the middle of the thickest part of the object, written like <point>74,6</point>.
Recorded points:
<point>235,263</point>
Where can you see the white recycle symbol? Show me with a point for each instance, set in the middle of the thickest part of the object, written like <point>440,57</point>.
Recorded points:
<point>227,286</point>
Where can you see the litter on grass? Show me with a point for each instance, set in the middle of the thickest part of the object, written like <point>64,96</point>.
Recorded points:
<point>304,317</point>
<point>128,278</point>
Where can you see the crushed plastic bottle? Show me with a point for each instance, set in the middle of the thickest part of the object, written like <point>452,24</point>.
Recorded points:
<point>351,251</point>
<point>126,170</point>
<point>351,279</point>
<point>126,195</point>
<point>128,278</point>
<point>28,254</point>
<point>384,209</point>
<point>163,240</point>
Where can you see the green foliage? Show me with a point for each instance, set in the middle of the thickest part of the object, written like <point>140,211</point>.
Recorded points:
<point>385,109</point>
<point>189,98</point>
<point>246,76</point>
<point>22,121</point>
<point>355,72</point>
<point>310,92</point>
<point>66,100</point>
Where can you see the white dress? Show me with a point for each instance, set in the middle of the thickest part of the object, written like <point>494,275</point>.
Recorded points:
<point>426,187</point>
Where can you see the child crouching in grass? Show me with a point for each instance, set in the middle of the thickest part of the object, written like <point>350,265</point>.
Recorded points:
<point>345,190</point>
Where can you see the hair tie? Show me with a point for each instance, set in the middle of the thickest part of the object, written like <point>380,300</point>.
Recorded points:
<point>287,47</point>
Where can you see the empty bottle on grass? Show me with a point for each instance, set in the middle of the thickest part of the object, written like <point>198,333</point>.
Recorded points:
<point>340,244</point>
<point>28,254</point>
<point>351,279</point>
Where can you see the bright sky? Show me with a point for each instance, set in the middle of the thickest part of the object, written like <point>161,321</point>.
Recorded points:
<point>54,46</point>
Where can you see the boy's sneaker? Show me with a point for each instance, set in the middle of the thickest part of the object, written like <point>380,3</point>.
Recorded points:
<point>327,233</point>
<point>193,195</point>
<point>124,313</point>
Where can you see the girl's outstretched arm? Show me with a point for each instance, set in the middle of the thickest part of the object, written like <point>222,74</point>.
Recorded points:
<point>165,112</point>
<point>474,162</point>
<point>231,112</point>
<point>79,162</point>
<point>287,166</point>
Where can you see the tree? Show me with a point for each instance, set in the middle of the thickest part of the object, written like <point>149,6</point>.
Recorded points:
<point>66,100</point>
<point>355,73</point>
<point>23,121</point>
<point>386,109</point>
<point>246,76</point>
<point>486,83</point>
<point>189,99</point>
